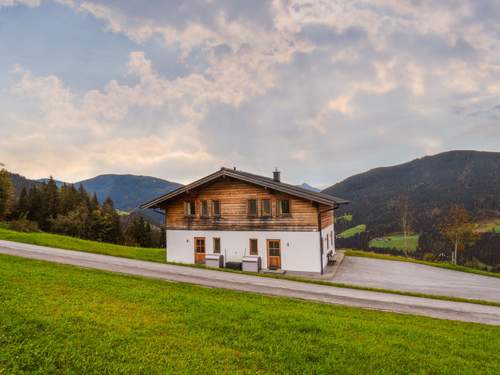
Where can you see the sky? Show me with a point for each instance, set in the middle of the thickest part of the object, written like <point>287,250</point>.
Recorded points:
<point>320,89</point>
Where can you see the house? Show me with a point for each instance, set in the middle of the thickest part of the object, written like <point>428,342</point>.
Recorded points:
<point>239,214</point>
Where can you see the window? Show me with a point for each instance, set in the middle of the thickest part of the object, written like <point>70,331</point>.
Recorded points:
<point>284,207</point>
<point>204,208</point>
<point>327,240</point>
<point>216,208</point>
<point>266,207</point>
<point>254,250</point>
<point>331,238</point>
<point>252,207</point>
<point>274,248</point>
<point>216,245</point>
<point>190,209</point>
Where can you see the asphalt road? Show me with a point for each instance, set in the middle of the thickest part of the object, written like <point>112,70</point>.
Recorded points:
<point>388,274</point>
<point>275,287</point>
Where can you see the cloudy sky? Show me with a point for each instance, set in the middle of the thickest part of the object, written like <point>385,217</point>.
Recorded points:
<point>175,89</point>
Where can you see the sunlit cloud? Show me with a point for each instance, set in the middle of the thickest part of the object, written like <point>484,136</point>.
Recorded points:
<point>321,89</point>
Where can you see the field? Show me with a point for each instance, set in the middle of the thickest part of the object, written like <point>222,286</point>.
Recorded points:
<point>488,226</point>
<point>353,231</point>
<point>56,318</point>
<point>72,243</point>
<point>395,242</point>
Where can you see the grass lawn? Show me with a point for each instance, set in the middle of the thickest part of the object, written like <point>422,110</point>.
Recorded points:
<point>367,254</point>
<point>158,255</point>
<point>353,231</point>
<point>62,319</point>
<point>395,242</point>
<point>72,243</point>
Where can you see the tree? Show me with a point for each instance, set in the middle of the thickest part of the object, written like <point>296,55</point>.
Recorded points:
<point>73,223</point>
<point>112,219</point>
<point>404,220</point>
<point>69,199</point>
<point>94,202</point>
<point>458,228</point>
<point>22,205</point>
<point>51,193</point>
<point>6,194</point>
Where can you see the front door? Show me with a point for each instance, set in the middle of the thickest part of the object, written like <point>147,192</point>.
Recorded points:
<point>199,250</point>
<point>273,254</point>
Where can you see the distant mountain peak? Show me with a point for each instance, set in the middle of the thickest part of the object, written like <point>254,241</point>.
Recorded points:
<point>305,185</point>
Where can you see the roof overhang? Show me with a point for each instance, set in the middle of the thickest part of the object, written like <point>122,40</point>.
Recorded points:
<point>253,179</point>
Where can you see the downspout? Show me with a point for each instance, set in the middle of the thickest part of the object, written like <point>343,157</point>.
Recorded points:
<point>321,250</point>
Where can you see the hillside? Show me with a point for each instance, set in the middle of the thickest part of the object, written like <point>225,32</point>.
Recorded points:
<point>21,182</point>
<point>127,191</point>
<point>468,178</point>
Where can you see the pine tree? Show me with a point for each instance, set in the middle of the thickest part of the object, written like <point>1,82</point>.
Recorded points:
<point>114,231</point>
<point>35,205</point>
<point>22,206</point>
<point>162,243</point>
<point>94,202</point>
<point>70,199</point>
<point>6,194</point>
<point>52,198</point>
<point>84,197</point>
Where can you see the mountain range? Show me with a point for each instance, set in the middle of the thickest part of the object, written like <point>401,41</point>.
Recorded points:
<point>468,178</point>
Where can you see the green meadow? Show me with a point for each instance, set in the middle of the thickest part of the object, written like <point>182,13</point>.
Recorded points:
<point>73,243</point>
<point>353,231</point>
<point>396,242</point>
<point>63,319</point>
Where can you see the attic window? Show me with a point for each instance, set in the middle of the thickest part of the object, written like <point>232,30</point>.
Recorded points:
<point>190,208</point>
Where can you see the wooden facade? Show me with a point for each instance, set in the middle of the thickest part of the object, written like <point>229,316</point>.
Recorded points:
<point>234,196</point>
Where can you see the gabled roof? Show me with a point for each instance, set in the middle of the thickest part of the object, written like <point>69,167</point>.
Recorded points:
<point>253,179</point>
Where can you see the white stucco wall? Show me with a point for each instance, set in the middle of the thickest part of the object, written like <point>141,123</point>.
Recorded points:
<point>300,251</point>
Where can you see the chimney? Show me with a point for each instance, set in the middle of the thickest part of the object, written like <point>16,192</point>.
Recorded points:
<point>276,175</point>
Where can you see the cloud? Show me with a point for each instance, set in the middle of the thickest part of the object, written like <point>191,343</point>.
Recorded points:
<point>11,3</point>
<point>322,89</point>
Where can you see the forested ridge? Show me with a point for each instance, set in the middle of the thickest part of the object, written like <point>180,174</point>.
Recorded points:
<point>422,197</point>
<point>467,178</point>
<point>71,211</point>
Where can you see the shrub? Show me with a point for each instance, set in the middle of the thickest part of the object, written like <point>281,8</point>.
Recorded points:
<point>428,257</point>
<point>23,225</point>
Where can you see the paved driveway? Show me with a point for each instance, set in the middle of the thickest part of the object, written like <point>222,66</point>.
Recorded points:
<point>417,278</point>
<point>256,284</point>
